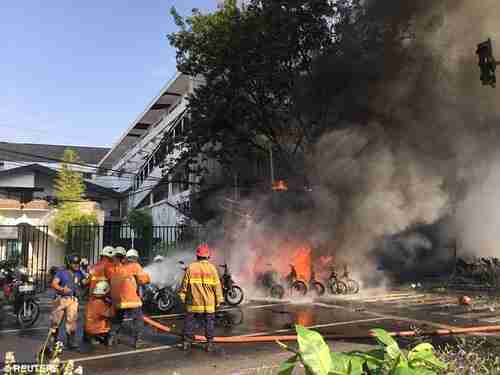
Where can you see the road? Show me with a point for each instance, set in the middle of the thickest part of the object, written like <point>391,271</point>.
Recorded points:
<point>353,315</point>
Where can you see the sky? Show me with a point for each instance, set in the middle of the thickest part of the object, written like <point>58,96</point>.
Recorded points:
<point>79,72</point>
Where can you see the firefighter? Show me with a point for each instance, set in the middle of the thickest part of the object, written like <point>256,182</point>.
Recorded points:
<point>201,292</point>
<point>97,271</point>
<point>125,282</point>
<point>98,314</point>
<point>67,284</point>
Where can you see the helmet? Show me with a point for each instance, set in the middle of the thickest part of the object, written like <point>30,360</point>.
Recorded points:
<point>203,251</point>
<point>84,262</point>
<point>72,259</point>
<point>120,251</point>
<point>108,251</point>
<point>158,259</point>
<point>101,288</point>
<point>132,253</point>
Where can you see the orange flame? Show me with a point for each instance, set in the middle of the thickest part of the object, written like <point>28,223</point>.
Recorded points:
<point>280,185</point>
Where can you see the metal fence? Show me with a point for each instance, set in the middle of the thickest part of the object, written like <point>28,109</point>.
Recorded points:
<point>27,245</point>
<point>88,240</point>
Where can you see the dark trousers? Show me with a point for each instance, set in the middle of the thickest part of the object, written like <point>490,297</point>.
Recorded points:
<point>136,324</point>
<point>191,323</point>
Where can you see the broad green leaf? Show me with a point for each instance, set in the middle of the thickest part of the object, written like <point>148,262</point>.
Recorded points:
<point>340,364</point>
<point>288,366</point>
<point>383,337</point>
<point>403,370</point>
<point>424,347</point>
<point>314,351</point>
<point>425,358</point>
<point>424,371</point>
<point>356,366</point>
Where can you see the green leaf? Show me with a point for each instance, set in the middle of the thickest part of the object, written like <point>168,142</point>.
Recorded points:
<point>383,337</point>
<point>340,364</point>
<point>421,348</point>
<point>424,371</point>
<point>425,358</point>
<point>314,352</point>
<point>356,366</point>
<point>403,370</point>
<point>288,366</point>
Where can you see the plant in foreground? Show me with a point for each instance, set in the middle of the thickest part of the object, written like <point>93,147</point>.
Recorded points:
<point>387,358</point>
<point>47,363</point>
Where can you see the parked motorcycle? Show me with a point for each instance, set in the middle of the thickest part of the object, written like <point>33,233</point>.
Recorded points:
<point>316,285</point>
<point>294,283</point>
<point>233,294</point>
<point>19,291</point>
<point>269,281</point>
<point>335,285</point>
<point>156,298</point>
<point>352,285</point>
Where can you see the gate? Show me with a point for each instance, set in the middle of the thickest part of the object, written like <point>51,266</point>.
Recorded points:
<point>27,246</point>
<point>88,240</point>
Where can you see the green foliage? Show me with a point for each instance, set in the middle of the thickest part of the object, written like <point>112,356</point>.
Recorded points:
<point>388,358</point>
<point>68,215</point>
<point>69,183</point>
<point>142,224</point>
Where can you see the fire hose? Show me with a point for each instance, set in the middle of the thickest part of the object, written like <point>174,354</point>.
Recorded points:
<point>263,339</point>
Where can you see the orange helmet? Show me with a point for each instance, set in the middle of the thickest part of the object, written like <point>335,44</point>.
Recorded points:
<point>203,251</point>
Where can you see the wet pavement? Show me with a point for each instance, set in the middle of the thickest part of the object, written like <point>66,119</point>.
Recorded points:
<point>345,315</point>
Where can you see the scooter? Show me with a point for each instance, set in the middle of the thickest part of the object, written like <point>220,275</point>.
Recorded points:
<point>233,294</point>
<point>19,290</point>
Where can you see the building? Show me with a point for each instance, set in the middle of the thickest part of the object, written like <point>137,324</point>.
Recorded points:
<point>136,163</point>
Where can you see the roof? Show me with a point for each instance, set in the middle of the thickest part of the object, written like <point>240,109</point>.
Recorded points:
<point>32,152</point>
<point>92,190</point>
<point>162,104</point>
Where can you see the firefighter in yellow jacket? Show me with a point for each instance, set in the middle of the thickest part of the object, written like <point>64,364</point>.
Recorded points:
<point>125,279</point>
<point>201,291</point>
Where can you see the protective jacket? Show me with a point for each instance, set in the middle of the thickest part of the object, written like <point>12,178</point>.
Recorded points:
<point>98,314</point>
<point>124,281</point>
<point>97,273</point>
<point>201,289</point>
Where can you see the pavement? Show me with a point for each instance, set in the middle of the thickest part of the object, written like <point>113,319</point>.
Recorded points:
<point>350,315</point>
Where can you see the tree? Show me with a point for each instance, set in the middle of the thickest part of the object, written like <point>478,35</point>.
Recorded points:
<point>252,62</point>
<point>69,183</point>
<point>70,190</point>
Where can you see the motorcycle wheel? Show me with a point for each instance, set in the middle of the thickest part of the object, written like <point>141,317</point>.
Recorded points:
<point>337,287</point>
<point>234,296</point>
<point>299,287</point>
<point>277,291</point>
<point>27,318</point>
<point>318,288</point>
<point>352,286</point>
<point>165,302</point>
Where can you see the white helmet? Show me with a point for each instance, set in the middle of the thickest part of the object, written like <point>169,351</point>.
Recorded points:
<point>158,259</point>
<point>120,250</point>
<point>84,262</point>
<point>108,251</point>
<point>101,288</point>
<point>132,253</point>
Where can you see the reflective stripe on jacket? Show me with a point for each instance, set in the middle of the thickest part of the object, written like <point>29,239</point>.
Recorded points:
<point>97,316</point>
<point>124,282</point>
<point>201,289</point>
<point>98,273</point>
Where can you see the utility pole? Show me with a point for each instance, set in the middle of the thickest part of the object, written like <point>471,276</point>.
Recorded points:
<point>271,164</point>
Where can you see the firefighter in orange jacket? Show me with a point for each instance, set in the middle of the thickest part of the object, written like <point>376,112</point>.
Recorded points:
<point>201,291</point>
<point>125,280</point>
<point>98,314</point>
<point>98,271</point>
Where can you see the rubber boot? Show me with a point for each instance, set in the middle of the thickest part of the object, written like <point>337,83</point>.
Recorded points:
<point>187,344</point>
<point>139,343</point>
<point>72,344</point>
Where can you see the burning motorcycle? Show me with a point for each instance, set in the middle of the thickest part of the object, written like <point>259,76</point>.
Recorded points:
<point>19,290</point>
<point>352,285</point>
<point>316,285</point>
<point>269,280</point>
<point>156,298</point>
<point>335,285</point>
<point>233,294</point>
<point>294,283</point>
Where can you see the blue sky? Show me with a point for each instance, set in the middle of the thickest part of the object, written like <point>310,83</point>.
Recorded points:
<point>78,72</point>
